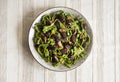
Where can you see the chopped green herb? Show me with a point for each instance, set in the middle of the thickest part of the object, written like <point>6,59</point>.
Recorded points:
<point>60,38</point>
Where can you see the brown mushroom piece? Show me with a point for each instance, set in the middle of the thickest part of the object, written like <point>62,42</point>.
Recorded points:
<point>81,36</point>
<point>57,24</point>
<point>61,18</point>
<point>51,47</point>
<point>84,45</point>
<point>73,38</point>
<point>64,51</point>
<point>64,35</point>
<point>55,59</point>
<point>45,39</point>
<point>69,22</point>
<point>47,34</point>
<point>40,27</point>
<point>60,44</point>
<point>74,31</point>
<point>58,40</point>
<point>36,46</point>
<point>67,47</point>
<point>62,30</point>
<point>72,57</point>
<point>48,22</point>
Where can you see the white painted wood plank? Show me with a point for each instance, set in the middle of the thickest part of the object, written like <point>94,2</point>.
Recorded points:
<point>3,40</point>
<point>52,76</point>
<point>98,51</point>
<point>117,39</point>
<point>72,75</point>
<point>94,61</point>
<point>49,3</point>
<point>27,58</point>
<point>17,63</point>
<point>68,3</point>
<point>39,74</point>
<point>38,7</point>
<point>49,75</point>
<point>60,77</point>
<point>84,72</point>
<point>12,44</point>
<point>60,2</point>
<point>109,41</point>
<point>19,33</point>
<point>75,4</point>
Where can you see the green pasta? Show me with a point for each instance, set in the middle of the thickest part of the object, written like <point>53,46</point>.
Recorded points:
<point>61,38</point>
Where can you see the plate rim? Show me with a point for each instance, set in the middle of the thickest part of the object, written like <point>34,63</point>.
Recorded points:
<point>82,61</point>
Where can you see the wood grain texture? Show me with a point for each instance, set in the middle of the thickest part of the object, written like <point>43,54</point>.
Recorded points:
<point>109,44</point>
<point>117,39</point>
<point>17,63</point>
<point>98,49</point>
<point>3,40</point>
<point>86,68</point>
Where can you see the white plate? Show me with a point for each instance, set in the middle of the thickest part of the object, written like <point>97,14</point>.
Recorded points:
<point>35,53</point>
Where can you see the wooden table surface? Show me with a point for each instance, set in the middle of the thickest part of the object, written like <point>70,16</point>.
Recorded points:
<point>17,63</point>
